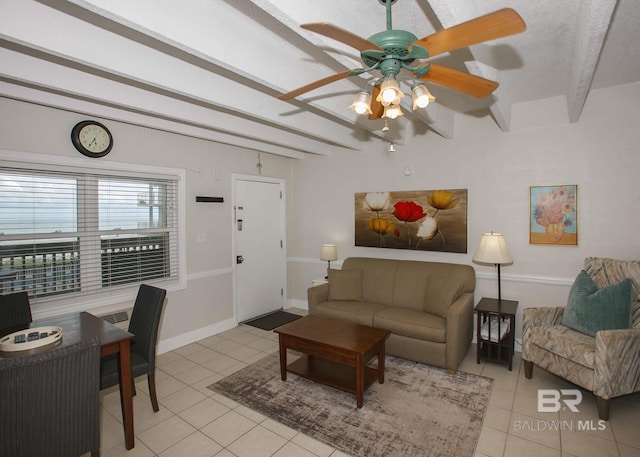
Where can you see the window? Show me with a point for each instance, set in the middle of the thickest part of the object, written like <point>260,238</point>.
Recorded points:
<point>85,232</point>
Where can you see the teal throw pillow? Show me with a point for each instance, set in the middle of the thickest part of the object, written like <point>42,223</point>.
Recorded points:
<point>590,309</point>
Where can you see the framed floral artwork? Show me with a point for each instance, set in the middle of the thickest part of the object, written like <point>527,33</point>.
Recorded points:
<point>425,220</point>
<point>553,215</point>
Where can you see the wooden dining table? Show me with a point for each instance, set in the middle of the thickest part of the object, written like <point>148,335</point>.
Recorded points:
<point>113,340</point>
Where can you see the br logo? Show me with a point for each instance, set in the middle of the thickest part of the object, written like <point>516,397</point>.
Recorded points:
<point>552,400</point>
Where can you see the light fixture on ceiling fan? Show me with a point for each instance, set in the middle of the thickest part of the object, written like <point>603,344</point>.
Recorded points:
<point>389,97</point>
<point>392,50</point>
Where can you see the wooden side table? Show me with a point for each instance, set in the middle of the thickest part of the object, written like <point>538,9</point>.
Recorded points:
<point>495,343</point>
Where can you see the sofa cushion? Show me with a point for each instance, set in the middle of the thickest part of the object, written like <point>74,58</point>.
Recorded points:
<point>590,309</point>
<point>441,293</point>
<point>410,286</point>
<point>412,323</point>
<point>378,278</point>
<point>345,285</point>
<point>354,311</point>
<point>566,343</point>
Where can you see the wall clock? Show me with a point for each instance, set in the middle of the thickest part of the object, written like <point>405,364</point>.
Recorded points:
<point>91,138</point>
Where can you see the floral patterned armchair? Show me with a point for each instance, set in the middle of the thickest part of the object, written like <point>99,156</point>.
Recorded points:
<point>609,364</point>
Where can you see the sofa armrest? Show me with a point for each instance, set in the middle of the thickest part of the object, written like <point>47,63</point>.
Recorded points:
<point>317,294</point>
<point>617,363</point>
<point>535,317</point>
<point>459,329</point>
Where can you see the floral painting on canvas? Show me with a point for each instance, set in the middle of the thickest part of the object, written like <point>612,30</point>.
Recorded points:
<point>426,220</point>
<point>553,215</point>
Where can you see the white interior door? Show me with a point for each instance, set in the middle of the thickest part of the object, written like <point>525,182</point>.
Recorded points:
<point>260,267</point>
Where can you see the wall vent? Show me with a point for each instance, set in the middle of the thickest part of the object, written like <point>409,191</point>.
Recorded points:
<point>119,318</point>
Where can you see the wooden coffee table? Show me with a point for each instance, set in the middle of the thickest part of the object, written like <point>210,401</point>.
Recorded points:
<point>335,353</point>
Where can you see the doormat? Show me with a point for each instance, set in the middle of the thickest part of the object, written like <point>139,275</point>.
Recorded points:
<point>420,410</point>
<point>273,320</point>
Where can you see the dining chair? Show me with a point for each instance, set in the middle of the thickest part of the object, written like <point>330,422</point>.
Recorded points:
<point>51,402</point>
<point>15,310</point>
<point>143,324</point>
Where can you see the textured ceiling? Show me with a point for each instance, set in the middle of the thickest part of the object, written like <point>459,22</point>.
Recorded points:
<point>213,68</point>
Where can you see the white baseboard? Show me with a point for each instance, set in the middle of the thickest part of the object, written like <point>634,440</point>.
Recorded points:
<point>297,303</point>
<point>191,337</point>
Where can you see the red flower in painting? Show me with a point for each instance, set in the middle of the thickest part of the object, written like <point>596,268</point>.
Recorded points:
<point>408,211</point>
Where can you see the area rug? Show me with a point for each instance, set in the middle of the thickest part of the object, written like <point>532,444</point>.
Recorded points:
<point>419,410</point>
<point>273,320</point>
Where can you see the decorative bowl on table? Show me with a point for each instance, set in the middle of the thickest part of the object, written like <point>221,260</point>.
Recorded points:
<point>30,338</point>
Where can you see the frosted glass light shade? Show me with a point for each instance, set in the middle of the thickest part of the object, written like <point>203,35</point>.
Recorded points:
<point>392,112</point>
<point>390,93</point>
<point>493,249</point>
<point>421,96</point>
<point>361,103</point>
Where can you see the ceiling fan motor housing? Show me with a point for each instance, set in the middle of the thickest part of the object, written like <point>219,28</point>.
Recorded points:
<point>390,67</point>
<point>396,45</point>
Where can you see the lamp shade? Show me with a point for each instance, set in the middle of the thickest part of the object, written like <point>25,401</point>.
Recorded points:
<point>493,249</point>
<point>329,252</point>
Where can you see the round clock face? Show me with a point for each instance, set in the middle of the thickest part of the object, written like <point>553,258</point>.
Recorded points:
<point>91,139</point>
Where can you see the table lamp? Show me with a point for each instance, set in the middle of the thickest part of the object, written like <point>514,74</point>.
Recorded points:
<point>493,250</point>
<point>328,252</point>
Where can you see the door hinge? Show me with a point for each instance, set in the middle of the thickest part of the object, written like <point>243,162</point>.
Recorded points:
<point>281,292</point>
<point>280,195</point>
<point>281,245</point>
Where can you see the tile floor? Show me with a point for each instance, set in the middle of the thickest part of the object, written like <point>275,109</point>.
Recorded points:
<point>193,421</point>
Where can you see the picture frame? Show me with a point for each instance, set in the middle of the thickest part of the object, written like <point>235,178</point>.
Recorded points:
<point>422,220</point>
<point>553,215</point>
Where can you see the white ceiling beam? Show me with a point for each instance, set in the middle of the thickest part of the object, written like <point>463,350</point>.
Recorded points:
<point>121,59</point>
<point>448,17</point>
<point>440,118</point>
<point>67,103</point>
<point>229,51</point>
<point>52,78</point>
<point>501,106</point>
<point>593,22</point>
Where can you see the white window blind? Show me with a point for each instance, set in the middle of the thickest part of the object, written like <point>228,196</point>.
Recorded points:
<point>78,232</point>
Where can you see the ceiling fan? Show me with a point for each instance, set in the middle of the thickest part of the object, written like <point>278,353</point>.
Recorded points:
<point>392,50</point>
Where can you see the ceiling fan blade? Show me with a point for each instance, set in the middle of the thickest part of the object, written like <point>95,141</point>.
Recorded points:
<point>495,25</point>
<point>377,110</point>
<point>460,81</point>
<point>344,36</point>
<point>315,85</point>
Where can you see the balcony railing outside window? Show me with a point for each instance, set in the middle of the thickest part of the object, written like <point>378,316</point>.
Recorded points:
<point>125,260</point>
<point>54,268</point>
<point>48,268</point>
<point>80,232</point>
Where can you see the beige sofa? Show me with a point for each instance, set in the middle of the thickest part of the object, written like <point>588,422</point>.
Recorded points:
<point>427,306</point>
